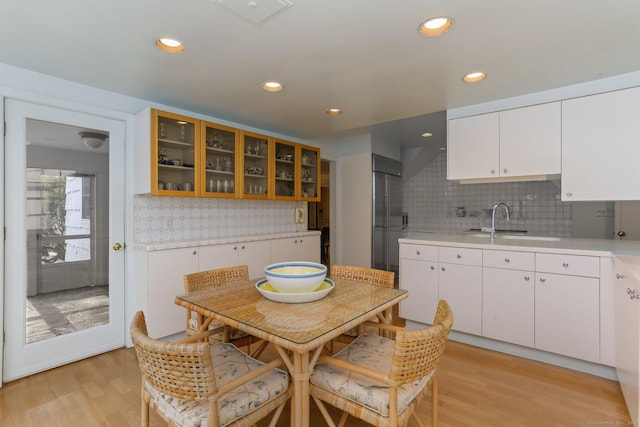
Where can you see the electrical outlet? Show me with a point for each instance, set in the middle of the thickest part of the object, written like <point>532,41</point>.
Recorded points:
<point>604,212</point>
<point>299,215</point>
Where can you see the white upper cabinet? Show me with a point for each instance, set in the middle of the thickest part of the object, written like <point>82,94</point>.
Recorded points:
<point>601,146</point>
<point>473,147</point>
<point>509,144</point>
<point>530,140</point>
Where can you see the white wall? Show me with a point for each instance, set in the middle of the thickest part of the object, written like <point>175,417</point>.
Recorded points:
<point>353,210</point>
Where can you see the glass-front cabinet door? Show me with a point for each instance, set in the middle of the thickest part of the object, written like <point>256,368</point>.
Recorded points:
<point>255,157</point>
<point>219,161</point>
<point>174,154</point>
<point>285,170</point>
<point>310,173</point>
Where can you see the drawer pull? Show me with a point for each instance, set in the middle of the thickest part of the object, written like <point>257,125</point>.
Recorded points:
<point>526,278</point>
<point>633,293</point>
<point>542,280</point>
<point>459,256</point>
<point>432,267</point>
<point>507,260</point>
<point>565,264</point>
<point>619,276</point>
<point>417,252</point>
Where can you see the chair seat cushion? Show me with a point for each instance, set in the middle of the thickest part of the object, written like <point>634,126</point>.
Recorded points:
<point>373,352</point>
<point>229,363</point>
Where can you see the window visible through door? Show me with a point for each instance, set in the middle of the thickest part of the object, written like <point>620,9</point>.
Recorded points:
<point>62,295</point>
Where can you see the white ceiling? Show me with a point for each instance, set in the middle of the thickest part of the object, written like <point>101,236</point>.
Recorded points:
<point>363,56</point>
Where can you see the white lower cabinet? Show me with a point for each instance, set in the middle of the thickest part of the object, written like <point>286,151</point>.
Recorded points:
<point>419,267</point>
<point>305,248</point>
<point>166,270</point>
<point>256,255</point>
<point>507,305</point>
<point>627,338</point>
<point>508,296</point>
<point>460,284</point>
<point>547,301</point>
<point>160,274</point>
<point>568,315</point>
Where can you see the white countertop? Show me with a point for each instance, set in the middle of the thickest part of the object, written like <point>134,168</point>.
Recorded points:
<point>175,244</point>
<point>565,245</point>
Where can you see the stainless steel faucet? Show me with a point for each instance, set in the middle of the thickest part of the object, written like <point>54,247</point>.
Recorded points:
<point>507,211</point>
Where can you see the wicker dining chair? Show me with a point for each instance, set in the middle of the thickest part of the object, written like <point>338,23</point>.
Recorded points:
<point>381,381</point>
<point>198,384</point>
<point>359,274</point>
<point>209,279</point>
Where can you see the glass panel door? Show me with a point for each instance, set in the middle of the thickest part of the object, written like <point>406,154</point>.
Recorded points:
<point>64,259</point>
<point>256,166</point>
<point>219,160</point>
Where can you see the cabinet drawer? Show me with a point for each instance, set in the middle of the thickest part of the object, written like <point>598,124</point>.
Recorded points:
<point>460,256</point>
<point>419,252</point>
<point>574,265</point>
<point>509,260</point>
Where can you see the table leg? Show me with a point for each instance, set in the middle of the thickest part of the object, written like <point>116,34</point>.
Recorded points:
<point>300,402</point>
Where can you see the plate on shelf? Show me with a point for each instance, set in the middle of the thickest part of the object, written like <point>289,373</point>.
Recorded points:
<point>264,287</point>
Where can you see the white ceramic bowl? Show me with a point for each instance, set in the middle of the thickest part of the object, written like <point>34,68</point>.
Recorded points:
<point>295,276</point>
<point>265,288</point>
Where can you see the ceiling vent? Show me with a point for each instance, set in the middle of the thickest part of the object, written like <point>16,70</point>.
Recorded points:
<point>255,11</point>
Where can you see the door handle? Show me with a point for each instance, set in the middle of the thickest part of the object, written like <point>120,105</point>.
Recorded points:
<point>117,247</point>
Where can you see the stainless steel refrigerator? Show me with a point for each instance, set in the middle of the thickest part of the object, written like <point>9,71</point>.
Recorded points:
<point>388,218</point>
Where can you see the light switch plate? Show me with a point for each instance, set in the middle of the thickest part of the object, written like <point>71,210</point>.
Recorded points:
<point>299,215</point>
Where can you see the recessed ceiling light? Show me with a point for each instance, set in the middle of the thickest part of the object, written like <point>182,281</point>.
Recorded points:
<point>272,86</point>
<point>334,111</point>
<point>170,45</point>
<point>474,77</point>
<point>427,134</point>
<point>435,26</point>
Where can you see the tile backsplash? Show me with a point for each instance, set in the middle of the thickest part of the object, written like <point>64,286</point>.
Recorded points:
<point>432,201</point>
<point>163,219</point>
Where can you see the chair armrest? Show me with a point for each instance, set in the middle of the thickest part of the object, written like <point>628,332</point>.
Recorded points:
<point>247,377</point>
<point>354,368</point>
<point>199,336</point>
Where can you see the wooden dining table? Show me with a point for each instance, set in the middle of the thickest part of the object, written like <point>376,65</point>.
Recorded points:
<point>297,331</point>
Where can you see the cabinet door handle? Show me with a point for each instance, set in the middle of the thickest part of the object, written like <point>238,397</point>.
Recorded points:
<point>493,171</point>
<point>417,252</point>
<point>633,293</point>
<point>507,260</point>
<point>194,253</point>
<point>542,280</point>
<point>459,256</point>
<point>242,247</point>
<point>526,278</point>
<point>565,265</point>
<point>235,248</point>
<point>569,194</point>
<point>432,267</point>
<point>443,269</point>
<point>505,170</point>
<point>619,276</point>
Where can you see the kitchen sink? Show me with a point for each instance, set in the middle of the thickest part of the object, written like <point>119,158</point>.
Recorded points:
<point>503,235</point>
<point>521,237</point>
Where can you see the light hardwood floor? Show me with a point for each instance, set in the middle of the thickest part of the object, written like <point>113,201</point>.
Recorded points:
<point>478,388</point>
